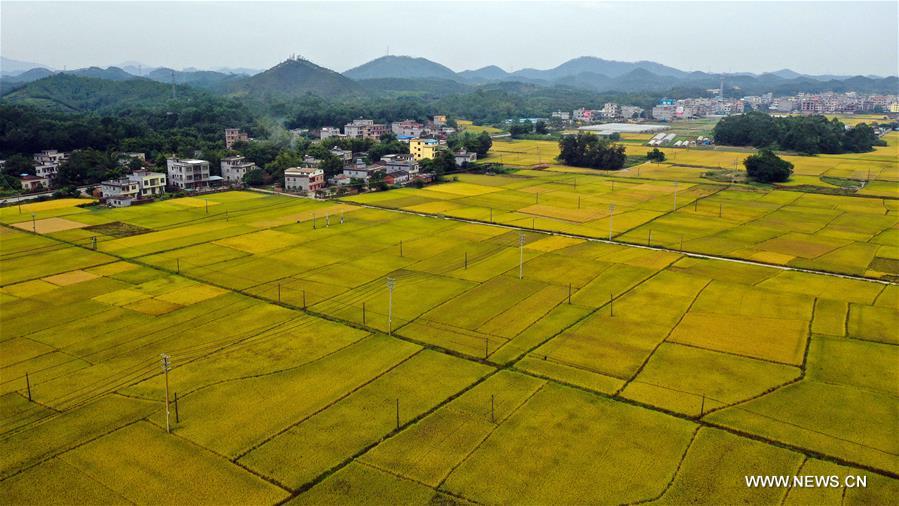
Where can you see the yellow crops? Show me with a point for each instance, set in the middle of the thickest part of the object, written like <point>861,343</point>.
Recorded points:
<point>276,312</point>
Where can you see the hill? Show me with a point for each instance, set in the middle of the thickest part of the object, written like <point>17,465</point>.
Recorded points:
<point>600,66</point>
<point>206,79</point>
<point>413,87</point>
<point>294,78</point>
<point>71,93</point>
<point>484,74</point>
<point>109,73</point>
<point>402,67</point>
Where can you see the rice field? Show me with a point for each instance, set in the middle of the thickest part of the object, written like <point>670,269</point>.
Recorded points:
<point>505,364</point>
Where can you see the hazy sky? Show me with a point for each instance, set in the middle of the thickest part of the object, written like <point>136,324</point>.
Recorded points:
<point>809,37</point>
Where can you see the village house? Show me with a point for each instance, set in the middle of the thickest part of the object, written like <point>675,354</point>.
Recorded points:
<point>463,157</point>
<point>151,184</point>
<point>125,158</point>
<point>400,161</point>
<point>364,129</point>
<point>304,179</point>
<point>234,135</point>
<point>189,174</point>
<point>328,132</point>
<point>422,149</point>
<point>140,185</point>
<point>47,170</point>
<point>47,162</point>
<point>234,168</point>
<point>399,177</point>
<point>34,183</point>
<point>360,170</point>
<point>408,128</point>
<point>345,155</point>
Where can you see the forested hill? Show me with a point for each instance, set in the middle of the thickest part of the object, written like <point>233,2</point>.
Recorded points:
<point>69,93</point>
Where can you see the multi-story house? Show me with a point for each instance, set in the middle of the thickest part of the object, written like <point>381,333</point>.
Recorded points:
<point>188,174</point>
<point>150,184</point>
<point>234,168</point>
<point>360,170</point>
<point>234,135</point>
<point>398,162</point>
<point>328,132</point>
<point>305,179</point>
<point>407,128</point>
<point>422,149</point>
<point>364,129</point>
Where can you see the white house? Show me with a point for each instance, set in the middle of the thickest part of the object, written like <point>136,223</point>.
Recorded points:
<point>235,167</point>
<point>186,174</point>
<point>463,157</point>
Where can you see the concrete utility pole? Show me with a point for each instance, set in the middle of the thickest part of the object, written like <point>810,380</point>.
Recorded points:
<point>611,213</point>
<point>675,195</point>
<point>28,385</point>
<point>520,256</point>
<point>166,365</point>
<point>33,223</point>
<point>391,283</point>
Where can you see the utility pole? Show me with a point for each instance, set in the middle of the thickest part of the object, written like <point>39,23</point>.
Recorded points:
<point>486,348</point>
<point>492,411</point>
<point>611,302</point>
<point>363,314</point>
<point>397,414</point>
<point>313,220</point>
<point>166,365</point>
<point>94,243</point>
<point>649,239</point>
<point>391,283</point>
<point>33,223</point>
<point>304,299</point>
<point>675,195</point>
<point>28,385</point>
<point>207,205</point>
<point>611,213</point>
<point>178,265</point>
<point>466,260</point>
<point>569,293</point>
<point>401,248</point>
<point>520,256</point>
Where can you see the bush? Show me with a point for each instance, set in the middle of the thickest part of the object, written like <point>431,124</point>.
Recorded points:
<point>767,167</point>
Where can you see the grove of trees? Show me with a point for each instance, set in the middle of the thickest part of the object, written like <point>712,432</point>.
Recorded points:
<point>588,150</point>
<point>805,134</point>
<point>766,167</point>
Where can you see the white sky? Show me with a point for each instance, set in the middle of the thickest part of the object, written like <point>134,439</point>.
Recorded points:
<point>809,37</point>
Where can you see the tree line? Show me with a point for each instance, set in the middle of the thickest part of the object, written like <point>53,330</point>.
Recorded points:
<point>805,134</point>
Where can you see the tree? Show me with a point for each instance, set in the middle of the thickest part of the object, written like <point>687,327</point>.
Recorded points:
<point>254,177</point>
<point>767,167</point>
<point>656,155</point>
<point>88,166</point>
<point>17,165</point>
<point>540,128</point>
<point>588,150</point>
<point>135,164</point>
<point>523,128</point>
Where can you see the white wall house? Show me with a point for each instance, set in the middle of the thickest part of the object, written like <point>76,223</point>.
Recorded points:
<point>186,174</point>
